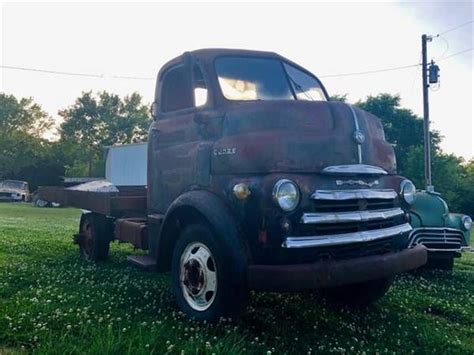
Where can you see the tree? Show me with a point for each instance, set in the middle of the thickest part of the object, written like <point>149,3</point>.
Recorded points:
<point>22,124</point>
<point>405,131</point>
<point>95,121</point>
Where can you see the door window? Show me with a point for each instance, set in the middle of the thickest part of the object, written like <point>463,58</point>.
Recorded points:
<point>176,90</point>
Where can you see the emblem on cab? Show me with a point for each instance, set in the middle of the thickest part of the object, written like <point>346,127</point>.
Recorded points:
<point>359,137</point>
<point>357,182</point>
<point>224,151</point>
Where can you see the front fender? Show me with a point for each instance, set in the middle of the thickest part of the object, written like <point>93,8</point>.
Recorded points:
<point>454,220</point>
<point>200,206</point>
<point>428,210</point>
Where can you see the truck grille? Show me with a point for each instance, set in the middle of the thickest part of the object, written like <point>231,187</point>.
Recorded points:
<point>6,194</point>
<point>341,217</point>
<point>437,239</point>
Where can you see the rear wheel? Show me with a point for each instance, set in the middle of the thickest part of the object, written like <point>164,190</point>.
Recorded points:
<point>360,294</point>
<point>206,284</point>
<point>94,237</point>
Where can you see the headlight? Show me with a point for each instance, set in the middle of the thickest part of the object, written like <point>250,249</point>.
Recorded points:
<point>467,223</point>
<point>286,194</point>
<point>407,191</point>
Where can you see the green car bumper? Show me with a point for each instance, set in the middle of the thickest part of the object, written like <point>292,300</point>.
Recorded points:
<point>435,227</point>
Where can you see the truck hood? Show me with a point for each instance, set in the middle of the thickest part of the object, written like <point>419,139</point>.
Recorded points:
<point>299,136</point>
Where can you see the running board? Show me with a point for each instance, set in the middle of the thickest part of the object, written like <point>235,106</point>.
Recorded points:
<point>142,261</point>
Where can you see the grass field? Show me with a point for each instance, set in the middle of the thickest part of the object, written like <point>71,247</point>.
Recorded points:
<point>53,302</point>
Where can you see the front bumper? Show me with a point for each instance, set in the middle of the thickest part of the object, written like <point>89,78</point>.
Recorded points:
<point>324,274</point>
<point>439,240</point>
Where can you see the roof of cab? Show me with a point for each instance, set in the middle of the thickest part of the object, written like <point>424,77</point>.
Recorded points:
<point>208,54</point>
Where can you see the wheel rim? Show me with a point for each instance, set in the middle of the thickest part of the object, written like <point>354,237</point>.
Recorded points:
<point>86,239</point>
<point>198,276</point>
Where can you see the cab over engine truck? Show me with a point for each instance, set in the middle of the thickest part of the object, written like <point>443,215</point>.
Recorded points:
<point>256,181</point>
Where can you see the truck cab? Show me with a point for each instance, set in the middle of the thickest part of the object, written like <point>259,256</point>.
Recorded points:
<point>256,180</point>
<point>302,191</point>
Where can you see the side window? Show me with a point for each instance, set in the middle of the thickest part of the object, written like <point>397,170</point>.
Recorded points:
<point>305,86</point>
<point>176,90</point>
<point>200,88</point>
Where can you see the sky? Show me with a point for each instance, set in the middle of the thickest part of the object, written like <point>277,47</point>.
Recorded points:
<point>136,39</point>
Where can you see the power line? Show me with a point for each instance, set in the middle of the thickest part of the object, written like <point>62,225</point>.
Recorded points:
<point>87,75</point>
<point>104,76</point>
<point>455,28</point>
<point>371,71</point>
<point>455,54</point>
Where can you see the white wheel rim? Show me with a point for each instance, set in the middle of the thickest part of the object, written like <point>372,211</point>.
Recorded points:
<point>198,276</point>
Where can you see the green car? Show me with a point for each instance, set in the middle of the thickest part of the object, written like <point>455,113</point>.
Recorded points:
<point>444,234</point>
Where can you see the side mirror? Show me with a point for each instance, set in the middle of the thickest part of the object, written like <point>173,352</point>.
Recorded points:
<point>154,110</point>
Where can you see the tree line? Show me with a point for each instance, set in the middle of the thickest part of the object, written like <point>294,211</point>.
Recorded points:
<point>96,120</point>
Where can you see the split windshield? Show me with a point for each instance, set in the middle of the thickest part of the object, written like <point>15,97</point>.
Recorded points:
<point>244,79</point>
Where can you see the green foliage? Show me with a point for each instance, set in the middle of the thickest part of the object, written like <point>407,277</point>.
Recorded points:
<point>405,131</point>
<point>24,154</point>
<point>52,302</point>
<point>96,121</point>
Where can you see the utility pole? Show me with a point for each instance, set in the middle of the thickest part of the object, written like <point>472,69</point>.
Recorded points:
<point>426,113</point>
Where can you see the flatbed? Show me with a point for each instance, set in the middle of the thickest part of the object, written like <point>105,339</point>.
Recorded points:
<point>100,197</point>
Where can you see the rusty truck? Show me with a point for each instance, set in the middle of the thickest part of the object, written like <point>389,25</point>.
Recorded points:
<point>256,180</point>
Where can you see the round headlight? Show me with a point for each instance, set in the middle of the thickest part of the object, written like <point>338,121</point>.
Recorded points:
<point>407,191</point>
<point>286,194</point>
<point>467,223</point>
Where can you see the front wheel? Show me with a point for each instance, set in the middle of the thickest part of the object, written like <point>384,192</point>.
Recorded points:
<point>206,284</point>
<point>358,295</point>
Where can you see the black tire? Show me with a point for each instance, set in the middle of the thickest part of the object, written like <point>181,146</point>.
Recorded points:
<point>446,263</point>
<point>94,237</point>
<point>42,203</point>
<point>358,295</point>
<point>231,294</point>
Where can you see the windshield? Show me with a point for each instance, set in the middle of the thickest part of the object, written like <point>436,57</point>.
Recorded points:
<point>244,78</point>
<point>13,185</point>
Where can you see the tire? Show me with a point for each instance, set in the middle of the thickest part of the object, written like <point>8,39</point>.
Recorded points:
<point>41,203</point>
<point>358,295</point>
<point>206,283</point>
<point>94,237</point>
<point>446,263</point>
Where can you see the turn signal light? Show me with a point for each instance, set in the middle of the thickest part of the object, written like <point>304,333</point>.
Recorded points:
<point>241,191</point>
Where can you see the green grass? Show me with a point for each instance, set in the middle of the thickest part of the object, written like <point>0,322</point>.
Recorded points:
<point>53,302</point>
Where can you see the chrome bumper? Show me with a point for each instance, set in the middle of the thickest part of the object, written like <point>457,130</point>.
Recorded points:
<point>438,239</point>
<point>348,238</point>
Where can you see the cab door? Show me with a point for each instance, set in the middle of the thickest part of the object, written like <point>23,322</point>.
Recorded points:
<point>176,136</point>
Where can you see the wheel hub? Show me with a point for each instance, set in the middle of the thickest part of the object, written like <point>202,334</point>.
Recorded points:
<point>194,277</point>
<point>198,276</point>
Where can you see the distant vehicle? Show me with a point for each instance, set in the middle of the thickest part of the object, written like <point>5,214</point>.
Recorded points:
<point>67,182</point>
<point>14,190</point>
<point>444,234</point>
<point>255,181</point>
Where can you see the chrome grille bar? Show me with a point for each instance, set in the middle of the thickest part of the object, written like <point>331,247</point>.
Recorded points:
<point>347,217</point>
<point>451,238</point>
<point>347,238</point>
<point>354,169</point>
<point>338,195</point>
